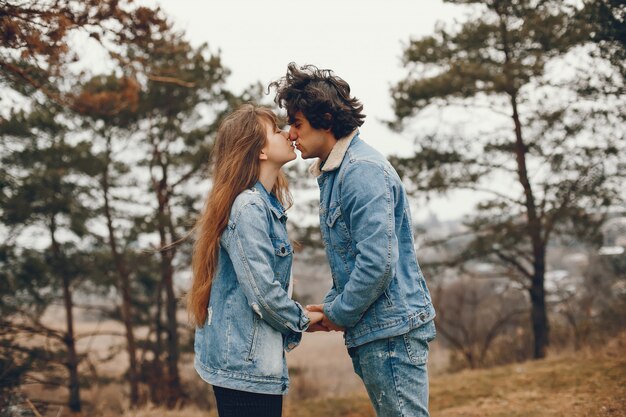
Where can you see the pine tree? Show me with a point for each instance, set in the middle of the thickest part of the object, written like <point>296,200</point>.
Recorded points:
<point>544,141</point>
<point>46,196</point>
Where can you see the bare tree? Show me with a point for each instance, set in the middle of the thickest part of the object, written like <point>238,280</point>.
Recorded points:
<point>472,313</point>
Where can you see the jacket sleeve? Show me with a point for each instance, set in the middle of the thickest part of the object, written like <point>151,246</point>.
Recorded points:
<point>330,295</point>
<point>367,203</point>
<point>252,254</point>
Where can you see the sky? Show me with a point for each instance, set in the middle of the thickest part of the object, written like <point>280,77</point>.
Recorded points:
<point>361,40</point>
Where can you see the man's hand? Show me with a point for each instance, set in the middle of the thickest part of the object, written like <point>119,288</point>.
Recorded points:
<point>316,321</point>
<point>326,322</point>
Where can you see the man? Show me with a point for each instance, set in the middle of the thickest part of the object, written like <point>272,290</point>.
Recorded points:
<point>379,295</point>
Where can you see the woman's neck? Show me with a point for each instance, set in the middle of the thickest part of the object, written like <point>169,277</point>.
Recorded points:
<point>268,175</point>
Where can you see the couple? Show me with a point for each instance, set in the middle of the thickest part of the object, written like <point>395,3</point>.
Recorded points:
<point>240,297</point>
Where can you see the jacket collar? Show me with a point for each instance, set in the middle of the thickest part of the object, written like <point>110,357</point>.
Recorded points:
<point>335,157</point>
<point>277,209</point>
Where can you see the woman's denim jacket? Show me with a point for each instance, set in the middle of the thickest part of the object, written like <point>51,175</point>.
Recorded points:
<point>378,287</point>
<point>251,319</point>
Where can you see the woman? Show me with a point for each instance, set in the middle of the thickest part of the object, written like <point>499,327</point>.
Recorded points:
<point>241,269</point>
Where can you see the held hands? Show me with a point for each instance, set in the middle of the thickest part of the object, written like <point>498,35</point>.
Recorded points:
<point>319,321</point>
<point>316,321</point>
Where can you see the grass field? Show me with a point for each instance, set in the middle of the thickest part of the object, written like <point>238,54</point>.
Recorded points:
<point>577,384</point>
<point>580,384</point>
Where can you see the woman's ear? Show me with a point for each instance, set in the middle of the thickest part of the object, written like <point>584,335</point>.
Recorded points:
<point>263,156</point>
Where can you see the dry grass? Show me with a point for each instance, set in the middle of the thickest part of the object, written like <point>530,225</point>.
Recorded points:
<point>575,384</point>
<point>583,384</point>
<point>321,367</point>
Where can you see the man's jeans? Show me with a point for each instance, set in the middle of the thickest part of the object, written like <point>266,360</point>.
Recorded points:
<point>394,372</point>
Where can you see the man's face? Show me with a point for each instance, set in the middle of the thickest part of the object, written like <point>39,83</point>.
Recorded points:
<point>311,142</point>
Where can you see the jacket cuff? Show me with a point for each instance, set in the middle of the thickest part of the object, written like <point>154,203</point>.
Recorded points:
<point>328,310</point>
<point>291,341</point>
<point>303,324</point>
<point>330,296</point>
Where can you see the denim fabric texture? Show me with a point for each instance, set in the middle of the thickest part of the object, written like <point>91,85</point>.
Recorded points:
<point>251,319</point>
<point>394,372</point>
<point>378,289</point>
<point>379,293</point>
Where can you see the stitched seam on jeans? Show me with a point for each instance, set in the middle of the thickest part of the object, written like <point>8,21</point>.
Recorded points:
<point>393,374</point>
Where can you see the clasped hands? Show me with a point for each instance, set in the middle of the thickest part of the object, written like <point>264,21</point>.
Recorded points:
<point>319,321</point>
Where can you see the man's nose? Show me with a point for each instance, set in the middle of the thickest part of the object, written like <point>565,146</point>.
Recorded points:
<point>292,134</point>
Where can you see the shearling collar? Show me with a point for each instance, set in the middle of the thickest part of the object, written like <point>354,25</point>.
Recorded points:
<point>335,157</point>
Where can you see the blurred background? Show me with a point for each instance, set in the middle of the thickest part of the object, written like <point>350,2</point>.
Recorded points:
<point>504,118</point>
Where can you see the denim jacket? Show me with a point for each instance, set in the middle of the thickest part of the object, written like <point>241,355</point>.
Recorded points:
<point>378,288</point>
<point>251,319</point>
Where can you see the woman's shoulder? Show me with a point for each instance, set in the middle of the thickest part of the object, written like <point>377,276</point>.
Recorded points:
<point>250,202</point>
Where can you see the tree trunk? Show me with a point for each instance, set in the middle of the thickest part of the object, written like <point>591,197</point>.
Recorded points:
<point>70,343</point>
<point>539,316</point>
<point>124,288</point>
<point>174,388</point>
<point>167,274</point>
<point>175,393</point>
<point>159,384</point>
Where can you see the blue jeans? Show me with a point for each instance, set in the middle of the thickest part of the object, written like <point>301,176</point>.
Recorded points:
<point>394,372</point>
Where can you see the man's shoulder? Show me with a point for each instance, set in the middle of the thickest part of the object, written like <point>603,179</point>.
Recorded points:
<point>363,156</point>
<point>364,166</point>
<point>361,150</point>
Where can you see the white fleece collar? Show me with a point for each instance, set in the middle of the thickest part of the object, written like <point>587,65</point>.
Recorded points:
<point>335,157</point>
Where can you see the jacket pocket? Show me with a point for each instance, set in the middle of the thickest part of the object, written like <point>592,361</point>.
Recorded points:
<point>255,337</point>
<point>282,248</point>
<point>333,215</point>
<point>388,300</point>
<point>338,231</point>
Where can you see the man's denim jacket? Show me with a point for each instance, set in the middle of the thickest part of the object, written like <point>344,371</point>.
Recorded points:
<point>378,288</point>
<point>251,319</point>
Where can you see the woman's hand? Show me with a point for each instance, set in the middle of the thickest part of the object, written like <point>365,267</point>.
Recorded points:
<point>326,322</point>
<point>316,318</point>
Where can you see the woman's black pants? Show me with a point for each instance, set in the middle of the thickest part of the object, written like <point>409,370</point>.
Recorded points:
<point>233,403</point>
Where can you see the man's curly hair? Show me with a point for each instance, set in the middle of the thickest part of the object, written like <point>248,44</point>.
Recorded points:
<point>321,96</point>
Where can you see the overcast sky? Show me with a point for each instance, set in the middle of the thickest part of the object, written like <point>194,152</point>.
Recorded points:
<point>361,40</point>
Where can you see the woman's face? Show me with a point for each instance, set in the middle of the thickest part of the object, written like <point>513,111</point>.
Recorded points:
<point>278,148</point>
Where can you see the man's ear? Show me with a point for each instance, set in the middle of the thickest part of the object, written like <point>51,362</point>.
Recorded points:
<point>328,118</point>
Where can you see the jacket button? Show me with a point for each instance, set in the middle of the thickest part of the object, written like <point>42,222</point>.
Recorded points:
<point>282,250</point>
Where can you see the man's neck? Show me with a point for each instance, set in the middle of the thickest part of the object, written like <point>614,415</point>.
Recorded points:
<point>331,141</point>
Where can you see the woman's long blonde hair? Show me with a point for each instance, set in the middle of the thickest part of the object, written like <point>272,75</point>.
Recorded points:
<point>240,139</point>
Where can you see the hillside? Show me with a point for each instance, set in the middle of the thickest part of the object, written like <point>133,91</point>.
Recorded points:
<point>580,384</point>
